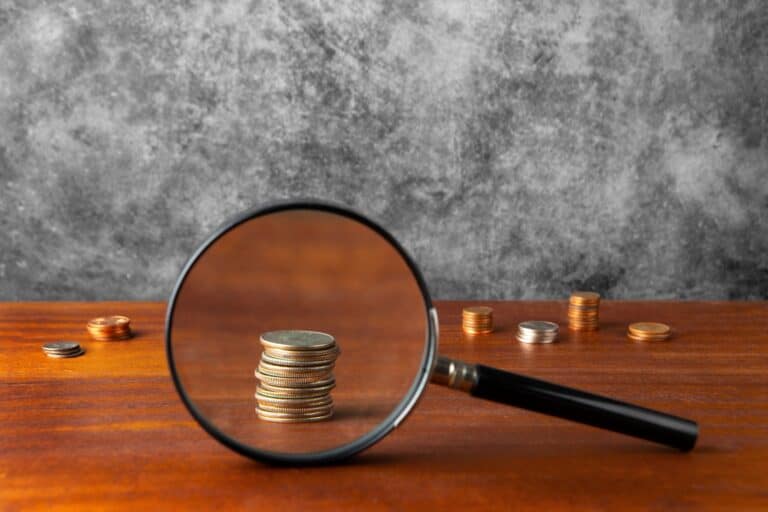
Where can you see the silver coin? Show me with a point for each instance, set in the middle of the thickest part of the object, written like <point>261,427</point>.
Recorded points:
<point>292,371</point>
<point>298,363</point>
<point>297,340</point>
<point>538,326</point>
<point>301,381</point>
<point>536,339</point>
<point>307,356</point>
<point>65,355</point>
<point>61,346</point>
<point>283,391</point>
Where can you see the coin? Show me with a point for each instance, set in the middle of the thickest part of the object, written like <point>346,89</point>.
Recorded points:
<point>267,357</point>
<point>537,331</point>
<point>110,328</point>
<point>643,328</point>
<point>295,376</point>
<point>291,393</point>
<point>648,331</point>
<point>300,355</point>
<point>61,345</point>
<point>282,414</point>
<point>323,399</point>
<point>326,408</point>
<point>296,382</point>
<point>584,311</point>
<point>297,340</point>
<point>66,356</point>
<point>477,320</point>
<point>62,349</point>
<point>292,419</point>
<point>585,298</point>
<point>303,371</point>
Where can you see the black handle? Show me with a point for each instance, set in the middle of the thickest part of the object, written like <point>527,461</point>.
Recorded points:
<point>572,404</point>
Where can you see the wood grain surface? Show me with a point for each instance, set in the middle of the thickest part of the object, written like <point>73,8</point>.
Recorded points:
<point>106,431</point>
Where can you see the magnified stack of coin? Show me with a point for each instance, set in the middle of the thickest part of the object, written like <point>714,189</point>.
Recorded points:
<point>477,320</point>
<point>648,331</point>
<point>63,349</point>
<point>296,376</point>
<point>110,328</point>
<point>537,331</point>
<point>583,311</point>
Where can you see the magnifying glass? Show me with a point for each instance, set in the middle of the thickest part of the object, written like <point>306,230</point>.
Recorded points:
<point>303,333</point>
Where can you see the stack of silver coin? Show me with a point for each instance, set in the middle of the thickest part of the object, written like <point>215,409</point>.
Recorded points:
<point>63,349</point>
<point>537,331</point>
<point>295,376</point>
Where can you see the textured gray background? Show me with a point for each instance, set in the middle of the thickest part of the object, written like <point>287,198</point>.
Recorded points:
<point>518,149</point>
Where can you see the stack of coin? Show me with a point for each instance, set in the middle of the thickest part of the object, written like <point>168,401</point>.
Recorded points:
<point>63,349</point>
<point>648,331</point>
<point>296,376</point>
<point>537,331</point>
<point>583,311</point>
<point>477,320</point>
<point>110,328</point>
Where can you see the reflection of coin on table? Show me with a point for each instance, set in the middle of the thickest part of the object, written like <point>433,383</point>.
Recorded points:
<point>296,376</point>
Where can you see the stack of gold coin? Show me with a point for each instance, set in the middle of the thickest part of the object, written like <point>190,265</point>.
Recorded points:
<point>477,320</point>
<point>110,328</point>
<point>537,331</point>
<point>583,311</point>
<point>295,376</point>
<point>648,331</point>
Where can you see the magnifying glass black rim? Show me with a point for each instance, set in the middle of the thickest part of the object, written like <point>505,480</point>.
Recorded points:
<point>341,452</point>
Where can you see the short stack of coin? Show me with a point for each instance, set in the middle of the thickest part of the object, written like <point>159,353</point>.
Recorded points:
<point>477,320</point>
<point>63,349</point>
<point>584,311</point>
<point>296,376</point>
<point>537,331</point>
<point>648,331</point>
<point>110,328</point>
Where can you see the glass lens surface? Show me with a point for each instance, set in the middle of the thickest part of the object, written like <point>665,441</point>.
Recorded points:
<point>240,321</point>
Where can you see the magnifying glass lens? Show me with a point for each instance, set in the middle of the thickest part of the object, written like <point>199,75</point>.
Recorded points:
<point>298,331</point>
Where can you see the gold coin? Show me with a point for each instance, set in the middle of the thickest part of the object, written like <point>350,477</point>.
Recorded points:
<point>291,393</point>
<point>304,391</point>
<point>294,402</point>
<point>296,410</point>
<point>298,355</point>
<point>647,338</point>
<point>110,328</point>
<point>584,298</point>
<point>648,328</point>
<point>267,417</point>
<point>477,310</point>
<point>285,414</point>
<point>297,363</point>
<point>279,370</point>
<point>297,341</point>
<point>308,381</point>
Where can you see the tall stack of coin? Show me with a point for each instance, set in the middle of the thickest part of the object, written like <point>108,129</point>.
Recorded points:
<point>296,376</point>
<point>537,331</point>
<point>584,311</point>
<point>648,331</point>
<point>477,320</point>
<point>110,328</point>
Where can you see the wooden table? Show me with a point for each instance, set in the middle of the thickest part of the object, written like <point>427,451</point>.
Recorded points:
<point>107,431</point>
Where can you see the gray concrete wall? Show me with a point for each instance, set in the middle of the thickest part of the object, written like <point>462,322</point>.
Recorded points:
<point>519,149</point>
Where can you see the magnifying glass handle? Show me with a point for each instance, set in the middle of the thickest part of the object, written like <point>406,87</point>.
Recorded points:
<point>568,403</point>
